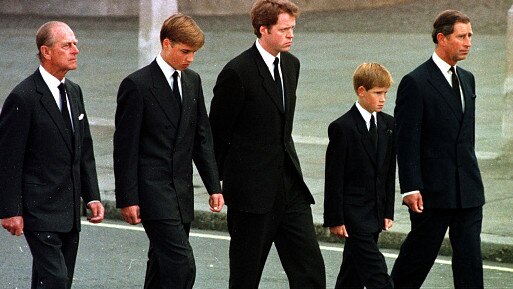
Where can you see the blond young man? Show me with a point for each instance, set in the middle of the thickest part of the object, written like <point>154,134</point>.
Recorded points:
<point>161,128</point>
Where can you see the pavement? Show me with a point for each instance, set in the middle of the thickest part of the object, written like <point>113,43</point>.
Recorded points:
<point>109,52</point>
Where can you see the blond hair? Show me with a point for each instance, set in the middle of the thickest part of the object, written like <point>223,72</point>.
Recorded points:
<point>183,29</point>
<point>370,75</point>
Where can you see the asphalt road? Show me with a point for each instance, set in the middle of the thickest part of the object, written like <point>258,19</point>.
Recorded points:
<point>113,255</point>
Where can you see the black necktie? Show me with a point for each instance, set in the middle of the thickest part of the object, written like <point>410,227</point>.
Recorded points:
<point>456,85</point>
<point>373,132</point>
<point>176,90</point>
<point>277,80</point>
<point>64,109</point>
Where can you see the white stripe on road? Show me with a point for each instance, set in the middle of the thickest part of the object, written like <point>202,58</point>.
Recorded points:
<point>227,238</point>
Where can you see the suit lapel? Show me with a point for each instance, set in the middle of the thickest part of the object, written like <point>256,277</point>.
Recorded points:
<point>288,74</point>
<point>162,93</point>
<point>187,104</point>
<point>468,96</point>
<point>51,107</point>
<point>75,112</point>
<point>382,139</point>
<point>267,79</point>
<point>439,82</point>
<point>466,88</point>
<point>361,127</point>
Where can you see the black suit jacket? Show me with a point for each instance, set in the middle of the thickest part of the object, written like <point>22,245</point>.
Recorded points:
<point>43,174</point>
<point>360,183</point>
<point>154,147</point>
<point>252,135</point>
<point>436,140</point>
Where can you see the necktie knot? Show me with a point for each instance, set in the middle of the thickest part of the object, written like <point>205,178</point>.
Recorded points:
<point>62,89</point>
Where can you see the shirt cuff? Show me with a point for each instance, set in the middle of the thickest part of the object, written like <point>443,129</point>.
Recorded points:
<point>410,193</point>
<point>95,201</point>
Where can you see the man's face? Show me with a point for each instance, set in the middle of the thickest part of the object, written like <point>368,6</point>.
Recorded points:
<point>278,37</point>
<point>456,45</point>
<point>61,56</point>
<point>178,55</point>
<point>372,99</point>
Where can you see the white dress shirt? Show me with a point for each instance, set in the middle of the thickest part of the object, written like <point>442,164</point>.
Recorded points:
<point>269,61</point>
<point>168,71</point>
<point>445,69</point>
<point>53,84</point>
<point>367,115</point>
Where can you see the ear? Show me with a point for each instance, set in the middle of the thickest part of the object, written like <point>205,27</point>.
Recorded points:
<point>361,90</point>
<point>166,43</point>
<point>263,30</point>
<point>45,51</point>
<point>441,38</point>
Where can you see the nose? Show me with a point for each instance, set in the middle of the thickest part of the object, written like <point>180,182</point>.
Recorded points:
<point>291,33</point>
<point>75,49</point>
<point>468,40</point>
<point>190,57</point>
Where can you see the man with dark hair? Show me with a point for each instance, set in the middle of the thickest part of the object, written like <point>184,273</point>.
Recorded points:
<point>47,160</point>
<point>438,172</point>
<point>161,127</point>
<point>251,115</point>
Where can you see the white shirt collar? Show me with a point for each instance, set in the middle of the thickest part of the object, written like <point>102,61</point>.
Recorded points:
<point>53,84</point>
<point>443,66</point>
<point>49,79</point>
<point>366,115</point>
<point>167,69</point>
<point>268,57</point>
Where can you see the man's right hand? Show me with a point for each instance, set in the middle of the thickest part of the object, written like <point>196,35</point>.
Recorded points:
<point>339,231</point>
<point>14,225</point>
<point>414,202</point>
<point>131,214</point>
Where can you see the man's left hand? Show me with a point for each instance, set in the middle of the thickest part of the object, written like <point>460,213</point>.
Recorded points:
<point>387,224</point>
<point>216,202</point>
<point>97,212</point>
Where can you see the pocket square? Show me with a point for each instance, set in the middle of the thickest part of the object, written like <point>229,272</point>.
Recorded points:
<point>81,116</point>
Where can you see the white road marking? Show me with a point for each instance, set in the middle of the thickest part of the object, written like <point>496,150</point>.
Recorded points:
<point>227,238</point>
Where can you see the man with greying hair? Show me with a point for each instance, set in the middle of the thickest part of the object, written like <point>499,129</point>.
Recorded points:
<point>251,115</point>
<point>48,161</point>
<point>438,172</point>
<point>161,127</point>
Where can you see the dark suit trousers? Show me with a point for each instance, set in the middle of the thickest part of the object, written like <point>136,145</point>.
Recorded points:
<point>363,263</point>
<point>290,226</point>
<point>54,255</point>
<point>170,259</point>
<point>419,250</point>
